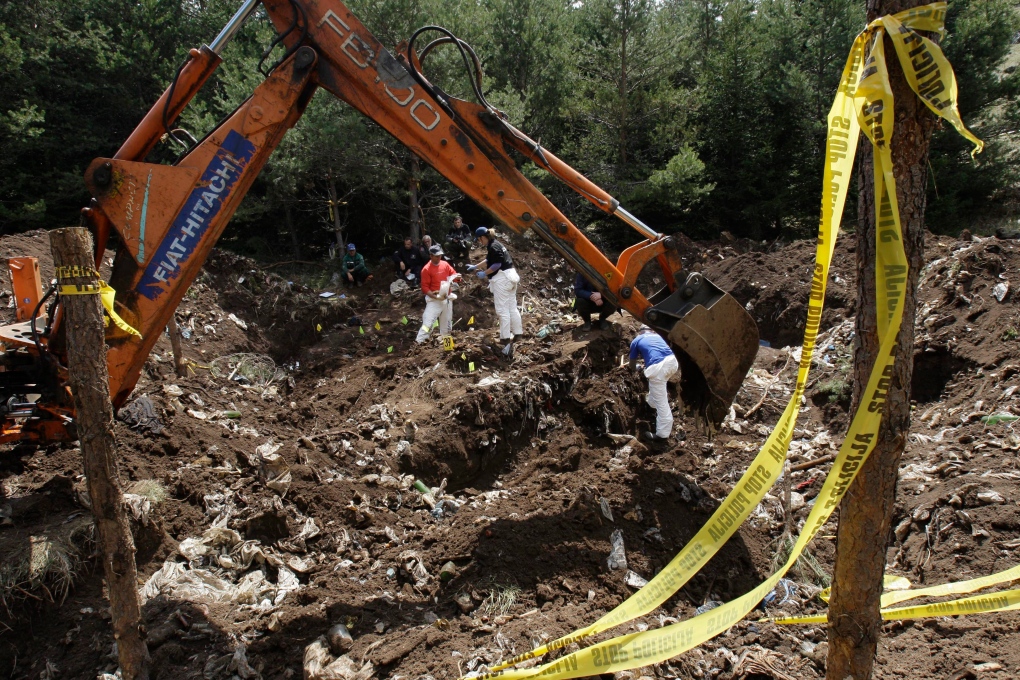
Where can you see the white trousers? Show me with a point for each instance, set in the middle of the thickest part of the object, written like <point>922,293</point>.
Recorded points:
<point>503,285</point>
<point>658,375</point>
<point>436,309</point>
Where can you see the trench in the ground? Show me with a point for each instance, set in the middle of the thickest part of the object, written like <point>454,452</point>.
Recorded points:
<point>933,370</point>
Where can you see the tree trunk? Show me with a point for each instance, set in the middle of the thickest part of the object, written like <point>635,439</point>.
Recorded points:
<point>416,231</point>
<point>90,384</point>
<point>866,510</point>
<point>334,204</point>
<point>295,243</point>
<point>174,331</point>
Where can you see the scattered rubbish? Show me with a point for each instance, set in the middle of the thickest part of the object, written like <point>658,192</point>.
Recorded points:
<point>781,594</point>
<point>399,286</point>
<point>635,580</point>
<point>173,391</point>
<point>140,415</point>
<point>327,294</point>
<point>997,418</point>
<point>607,512</point>
<point>238,322</point>
<point>617,556</point>
<point>445,507</point>
<point>708,606</point>
<point>319,664</point>
<point>489,381</point>
<point>990,497</point>
<point>273,469</point>
<point>448,572</point>
<point>200,415</point>
<point>1000,290</point>
<point>339,638</point>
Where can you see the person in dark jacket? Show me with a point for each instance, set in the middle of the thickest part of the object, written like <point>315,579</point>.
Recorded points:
<point>408,261</point>
<point>587,300</point>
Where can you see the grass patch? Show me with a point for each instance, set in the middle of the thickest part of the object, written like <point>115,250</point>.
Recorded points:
<point>502,597</point>
<point>836,391</point>
<point>151,490</point>
<point>43,567</point>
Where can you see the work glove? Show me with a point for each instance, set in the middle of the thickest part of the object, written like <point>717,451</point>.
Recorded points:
<point>481,273</point>
<point>472,267</point>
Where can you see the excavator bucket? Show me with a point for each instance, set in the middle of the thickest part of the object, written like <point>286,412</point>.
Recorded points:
<point>717,341</point>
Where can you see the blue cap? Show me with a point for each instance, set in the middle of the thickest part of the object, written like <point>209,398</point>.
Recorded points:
<point>481,231</point>
<point>350,246</point>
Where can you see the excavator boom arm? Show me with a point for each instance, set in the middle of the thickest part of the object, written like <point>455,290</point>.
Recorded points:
<point>168,217</point>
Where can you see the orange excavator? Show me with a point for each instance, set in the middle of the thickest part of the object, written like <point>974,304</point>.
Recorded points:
<point>168,217</point>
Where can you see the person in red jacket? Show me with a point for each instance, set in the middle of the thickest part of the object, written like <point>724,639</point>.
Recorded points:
<point>436,278</point>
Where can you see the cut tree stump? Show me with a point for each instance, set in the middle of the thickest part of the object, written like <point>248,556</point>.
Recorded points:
<point>90,384</point>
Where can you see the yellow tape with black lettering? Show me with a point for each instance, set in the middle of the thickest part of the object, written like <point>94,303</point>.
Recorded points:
<point>863,93</point>
<point>106,296</point>
<point>73,271</point>
<point>903,595</point>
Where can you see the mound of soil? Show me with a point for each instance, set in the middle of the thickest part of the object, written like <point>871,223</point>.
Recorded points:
<point>528,474</point>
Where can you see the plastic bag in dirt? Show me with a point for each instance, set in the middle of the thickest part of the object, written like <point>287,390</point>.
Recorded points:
<point>140,415</point>
<point>781,594</point>
<point>617,556</point>
<point>139,507</point>
<point>399,286</point>
<point>177,582</point>
<point>320,665</point>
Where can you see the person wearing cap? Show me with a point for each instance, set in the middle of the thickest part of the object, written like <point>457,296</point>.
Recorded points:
<point>587,300</point>
<point>353,267</point>
<point>437,277</point>
<point>660,365</point>
<point>503,280</point>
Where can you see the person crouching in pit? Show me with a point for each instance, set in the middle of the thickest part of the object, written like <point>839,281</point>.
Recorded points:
<point>436,278</point>
<point>660,365</point>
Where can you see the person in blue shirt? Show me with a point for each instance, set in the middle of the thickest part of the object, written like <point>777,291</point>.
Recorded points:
<point>660,365</point>
<point>588,300</point>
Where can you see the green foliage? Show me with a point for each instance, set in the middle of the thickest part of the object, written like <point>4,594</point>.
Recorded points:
<point>698,115</point>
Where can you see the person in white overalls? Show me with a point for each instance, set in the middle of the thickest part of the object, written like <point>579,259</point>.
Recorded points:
<point>437,277</point>
<point>660,365</point>
<point>503,280</point>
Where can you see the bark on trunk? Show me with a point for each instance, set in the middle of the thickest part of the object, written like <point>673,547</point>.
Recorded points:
<point>866,511</point>
<point>90,384</point>
<point>174,331</point>
<point>335,213</point>
<point>412,208</point>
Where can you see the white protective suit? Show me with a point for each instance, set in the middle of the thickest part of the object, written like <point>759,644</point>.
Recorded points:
<point>658,375</point>
<point>441,309</point>
<point>503,285</point>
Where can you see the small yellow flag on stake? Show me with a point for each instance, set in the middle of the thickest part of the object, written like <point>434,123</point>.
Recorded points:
<point>361,330</point>
<point>448,343</point>
<point>471,321</point>
<point>390,349</point>
<point>471,366</point>
<point>377,326</point>
<point>318,327</point>
<point>463,356</point>
<point>404,321</point>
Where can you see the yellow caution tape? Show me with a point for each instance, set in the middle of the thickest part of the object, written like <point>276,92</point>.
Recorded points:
<point>863,93</point>
<point>72,271</point>
<point>106,295</point>
<point>889,582</point>
<point>956,588</point>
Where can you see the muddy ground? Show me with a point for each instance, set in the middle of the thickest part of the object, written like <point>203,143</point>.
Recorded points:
<point>277,495</point>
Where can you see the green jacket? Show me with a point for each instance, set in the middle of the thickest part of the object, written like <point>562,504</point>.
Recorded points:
<point>353,264</point>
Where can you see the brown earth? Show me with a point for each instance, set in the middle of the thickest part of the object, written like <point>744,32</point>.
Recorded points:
<point>360,411</point>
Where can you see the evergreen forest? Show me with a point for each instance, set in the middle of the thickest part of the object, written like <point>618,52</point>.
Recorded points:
<point>700,116</point>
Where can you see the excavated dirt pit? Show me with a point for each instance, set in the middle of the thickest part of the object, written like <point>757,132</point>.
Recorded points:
<point>308,517</point>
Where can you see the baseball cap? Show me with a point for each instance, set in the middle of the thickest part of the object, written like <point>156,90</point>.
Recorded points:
<point>350,246</point>
<point>435,250</point>
<point>481,231</point>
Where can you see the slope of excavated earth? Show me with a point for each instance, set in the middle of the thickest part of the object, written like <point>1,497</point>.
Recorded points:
<point>282,499</point>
